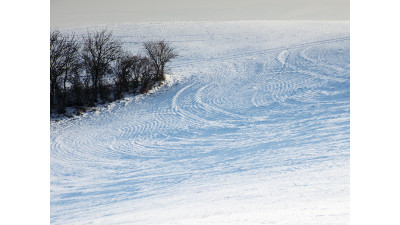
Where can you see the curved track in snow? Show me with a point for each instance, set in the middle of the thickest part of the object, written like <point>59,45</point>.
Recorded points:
<point>244,132</point>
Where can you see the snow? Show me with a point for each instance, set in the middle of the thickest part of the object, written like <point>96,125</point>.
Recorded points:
<point>251,127</point>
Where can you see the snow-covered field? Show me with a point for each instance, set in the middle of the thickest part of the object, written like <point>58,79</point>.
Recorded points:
<point>252,127</point>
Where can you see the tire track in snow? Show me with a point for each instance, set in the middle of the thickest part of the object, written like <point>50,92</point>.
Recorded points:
<point>187,108</point>
<point>264,51</point>
<point>211,102</point>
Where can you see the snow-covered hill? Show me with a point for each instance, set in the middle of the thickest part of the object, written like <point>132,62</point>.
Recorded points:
<point>252,127</point>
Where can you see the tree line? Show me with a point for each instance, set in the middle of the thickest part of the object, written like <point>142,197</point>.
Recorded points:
<point>95,68</point>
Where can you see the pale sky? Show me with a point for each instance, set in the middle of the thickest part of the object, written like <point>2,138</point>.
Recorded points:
<point>90,12</point>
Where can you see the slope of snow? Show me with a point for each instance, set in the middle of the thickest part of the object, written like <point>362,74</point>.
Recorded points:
<point>252,127</point>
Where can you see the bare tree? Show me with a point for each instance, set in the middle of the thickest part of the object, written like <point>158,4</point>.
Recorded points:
<point>160,53</point>
<point>135,72</point>
<point>99,51</point>
<point>64,58</point>
<point>57,48</point>
<point>72,63</point>
<point>78,92</point>
<point>123,73</point>
<point>137,69</point>
<point>143,72</point>
<point>147,74</point>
